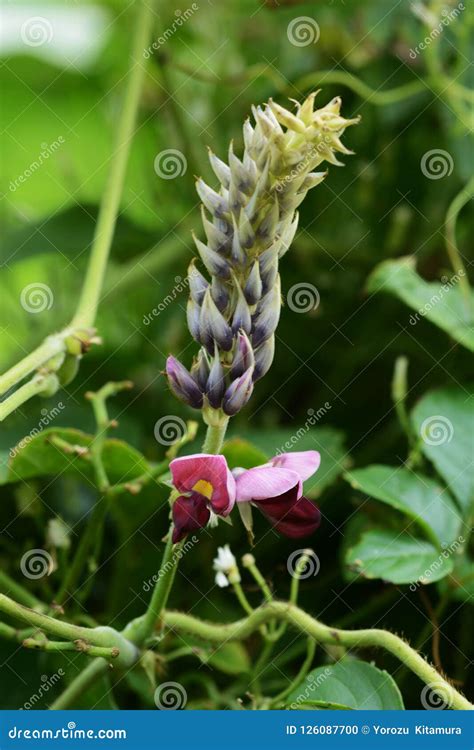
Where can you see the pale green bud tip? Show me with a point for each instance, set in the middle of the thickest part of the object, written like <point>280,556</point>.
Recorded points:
<point>248,560</point>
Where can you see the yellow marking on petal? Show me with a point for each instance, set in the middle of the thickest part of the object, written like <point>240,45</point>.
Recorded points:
<point>204,488</point>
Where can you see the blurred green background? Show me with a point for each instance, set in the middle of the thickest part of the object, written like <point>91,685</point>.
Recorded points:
<point>201,84</point>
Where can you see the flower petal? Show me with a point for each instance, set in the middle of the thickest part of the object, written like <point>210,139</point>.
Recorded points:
<point>304,463</point>
<point>295,517</point>
<point>264,482</point>
<point>202,467</point>
<point>189,514</point>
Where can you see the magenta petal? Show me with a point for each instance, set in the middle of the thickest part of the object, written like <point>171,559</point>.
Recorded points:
<point>264,482</point>
<point>189,470</point>
<point>295,517</point>
<point>304,463</point>
<point>189,514</point>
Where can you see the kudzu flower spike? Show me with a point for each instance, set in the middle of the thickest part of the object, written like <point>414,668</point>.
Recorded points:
<point>249,224</point>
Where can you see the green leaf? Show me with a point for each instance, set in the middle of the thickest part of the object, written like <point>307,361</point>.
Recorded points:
<point>231,658</point>
<point>444,419</point>
<point>417,496</point>
<point>242,453</point>
<point>348,684</point>
<point>441,303</point>
<point>327,440</point>
<point>461,582</point>
<point>40,457</point>
<point>397,557</point>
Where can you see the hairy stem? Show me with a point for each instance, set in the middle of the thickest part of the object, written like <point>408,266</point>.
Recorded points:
<point>220,633</point>
<point>452,249</point>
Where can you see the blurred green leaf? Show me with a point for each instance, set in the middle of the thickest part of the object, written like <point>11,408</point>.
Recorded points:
<point>417,496</point>
<point>348,684</point>
<point>39,457</point>
<point>239,452</point>
<point>444,419</point>
<point>442,304</point>
<point>397,557</point>
<point>231,658</point>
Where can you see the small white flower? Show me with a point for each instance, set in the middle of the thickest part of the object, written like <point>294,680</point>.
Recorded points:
<point>225,566</point>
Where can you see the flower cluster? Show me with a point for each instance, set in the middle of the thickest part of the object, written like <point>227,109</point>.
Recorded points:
<point>249,224</point>
<point>205,487</point>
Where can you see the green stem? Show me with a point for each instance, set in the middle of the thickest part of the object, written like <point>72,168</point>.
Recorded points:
<point>80,684</point>
<point>215,436</point>
<point>297,618</point>
<point>9,586</point>
<point>452,249</point>
<point>399,396</point>
<point>49,348</point>
<point>38,384</point>
<point>80,646</point>
<point>305,667</point>
<point>144,627</point>
<point>90,296</point>
<point>244,602</point>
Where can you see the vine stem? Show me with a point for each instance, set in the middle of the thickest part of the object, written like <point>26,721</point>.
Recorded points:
<point>86,311</point>
<point>96,669</point>
<point>219,633</point>
<point>457,204</point>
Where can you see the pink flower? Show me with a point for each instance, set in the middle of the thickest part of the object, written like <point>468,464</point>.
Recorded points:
<point>204,483</point>
<point>276,489</point>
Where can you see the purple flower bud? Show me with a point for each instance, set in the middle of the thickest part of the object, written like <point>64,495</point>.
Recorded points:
<point>220,293</point>
<point>243,356</point>
<point>215,203</point>
<point>236,199</point>
<point>200,370</point>
<point>246,233</point>
<point>238,393</point>
<point>263,358</point>
<point>197,283</point>
<point>216,238</point>
<point>240,176</point>
<point>193,315</point>
<point>241,318</point>
<point>182,383</point>
<point>253,286</point>
<point>268,268</point>
<point>216,264</point>
<point>215,387</point>
<point>213,326</point>
<point>288,235</point>
<point>220,168</point>
<point>267,316</point>
<point>268,225</point>
<point>237,253</point>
